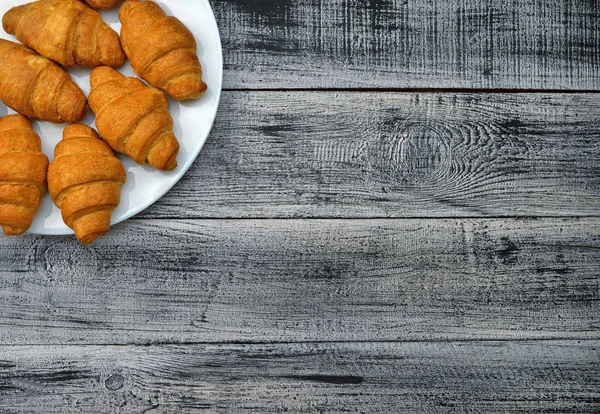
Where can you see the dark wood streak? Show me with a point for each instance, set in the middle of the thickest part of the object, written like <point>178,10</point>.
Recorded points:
<point>328,379</point>
<point>340,155</point>
<point>312,377</point>
<point>410,43</point>
<point>172,281</point>
<point>357,312</point>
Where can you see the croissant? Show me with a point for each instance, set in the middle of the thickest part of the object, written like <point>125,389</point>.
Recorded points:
<point>36,87</point>
<point>133,118</point>
<point>23,169</point>
<point>66,31</point>
<point>161,49</point>
<point>84,181</point>
<point>102,4</point>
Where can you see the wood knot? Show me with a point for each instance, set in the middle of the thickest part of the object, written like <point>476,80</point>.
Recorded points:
<point>416,152</point>
<point>422,149</point>
<point>115,382</point>
<point>68,261</point>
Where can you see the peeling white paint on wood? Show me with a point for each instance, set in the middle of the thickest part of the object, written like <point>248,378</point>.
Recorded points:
<point>517,44</point>
<point>236,296</point>
<point>173,281</point>
<point>362,155</point>
<point>303,377</point>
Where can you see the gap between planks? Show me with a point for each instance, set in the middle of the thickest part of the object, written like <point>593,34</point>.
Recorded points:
<point>377,218</point>
<point>420,90</point>
<point>548,340</point>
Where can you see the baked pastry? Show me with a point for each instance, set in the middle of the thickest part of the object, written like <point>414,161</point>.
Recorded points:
<point>66,31</point>
<point>161,49</point>
<point>102,4</point>
<point>133,118</point>
<point>85,181</point>
<point>37,87</point>
<point>23,169</point>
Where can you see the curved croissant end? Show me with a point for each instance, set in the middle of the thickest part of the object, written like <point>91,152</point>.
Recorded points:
<point>85,181</point>
<point>102,4</point>
<point>133,118</point>
<point>37,87</point>
<point>66,31</point>
<point>162,50</point>
<point>23,169</point>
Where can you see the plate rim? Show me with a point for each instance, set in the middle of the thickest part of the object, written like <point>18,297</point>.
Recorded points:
<point>192,156</point>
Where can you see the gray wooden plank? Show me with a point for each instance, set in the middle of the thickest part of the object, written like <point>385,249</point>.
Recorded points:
<point>506,377</point>
<point>323,154</point>
<point>156,281</point>
<point>410,44</point>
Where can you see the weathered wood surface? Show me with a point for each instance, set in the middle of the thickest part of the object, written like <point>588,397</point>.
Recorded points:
<point>171,281</point>
<point>555,376</point>
<point>323,154</point>
<point>421,236</point>
<point>517,44</point>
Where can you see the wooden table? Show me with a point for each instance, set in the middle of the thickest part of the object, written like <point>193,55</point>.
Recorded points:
<point>397,211</point>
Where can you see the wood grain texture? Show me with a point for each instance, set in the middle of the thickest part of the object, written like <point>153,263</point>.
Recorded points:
<point>329,155</point>
<point>417,284</point>
<point>159,281</point>
<point>506,377</point>
<point>511,44</point>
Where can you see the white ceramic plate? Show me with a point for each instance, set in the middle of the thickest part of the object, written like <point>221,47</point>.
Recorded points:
<point>193,120</point>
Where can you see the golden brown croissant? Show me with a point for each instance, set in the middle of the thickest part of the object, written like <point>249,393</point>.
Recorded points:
<point>66,31</point>
<point>161,49</point>
<point>84,181</point>
<point>23,169</point>
<point>102,4</point>
<point>37,87</point>
<point>133,118</point>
